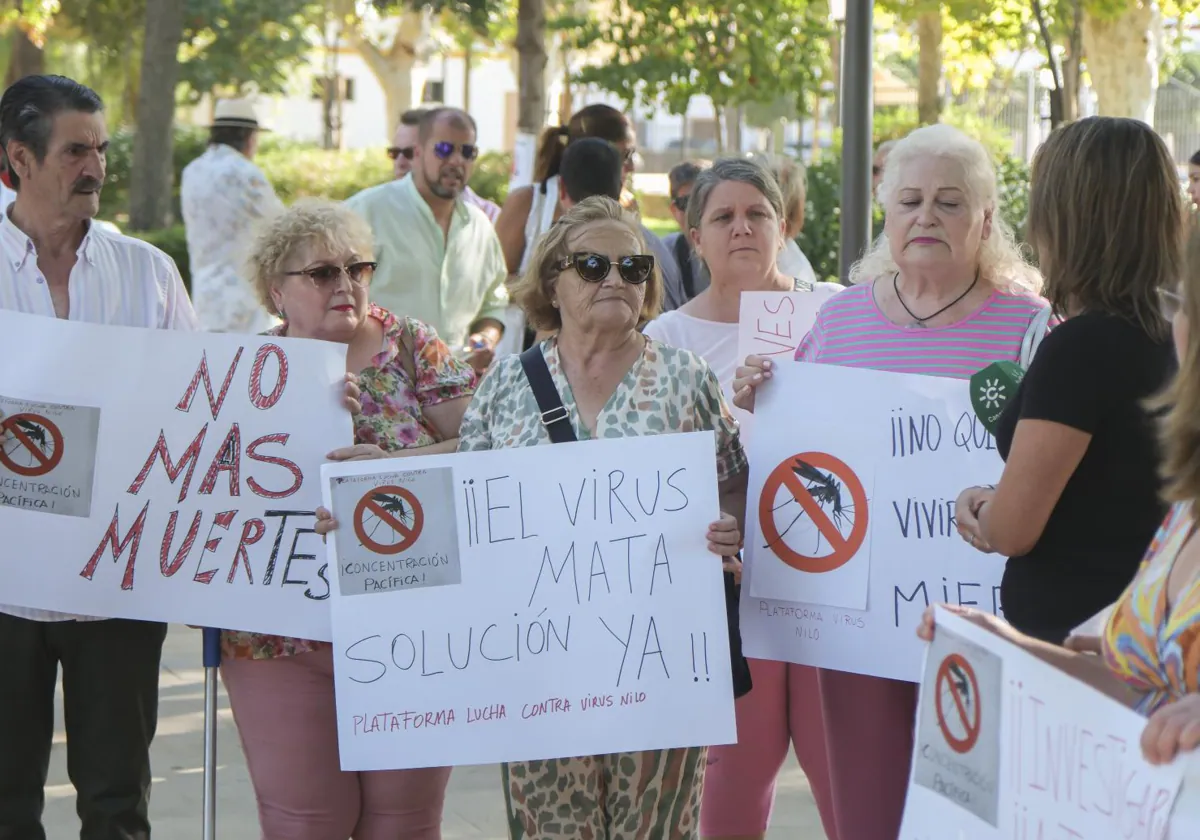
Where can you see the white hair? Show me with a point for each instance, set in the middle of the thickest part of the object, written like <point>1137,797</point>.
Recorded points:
<point>1001,262</point>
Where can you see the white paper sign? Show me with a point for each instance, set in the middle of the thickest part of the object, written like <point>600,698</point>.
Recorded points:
<point>1010,747</point>
<point>772,324</point>
<point>573,609</point>
<point>166,476</point>
<point>877,460</point>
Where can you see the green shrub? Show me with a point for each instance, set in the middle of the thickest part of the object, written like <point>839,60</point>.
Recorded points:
<point>174,243</point>
<point>821,237</point>
<point>492,173</point>
<point>299,171</point>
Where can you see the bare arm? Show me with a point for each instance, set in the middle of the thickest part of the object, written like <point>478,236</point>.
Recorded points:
<point>510,226</point>
<point>733,497</point>
<point>446,417</point>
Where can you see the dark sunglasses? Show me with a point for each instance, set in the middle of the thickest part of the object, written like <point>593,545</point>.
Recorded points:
<point>445,150</point>
<point>593,268</point>
<point>394,152</point>
<point>325,277</point>
<point>680,203</point>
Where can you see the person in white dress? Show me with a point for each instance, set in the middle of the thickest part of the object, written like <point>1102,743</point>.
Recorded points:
<point>224,197</point>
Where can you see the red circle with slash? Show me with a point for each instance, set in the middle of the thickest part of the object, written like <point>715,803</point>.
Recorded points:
<point>963,701</point>
<point>380,503</point>
<point>785,477</point>
<point>44,462</point>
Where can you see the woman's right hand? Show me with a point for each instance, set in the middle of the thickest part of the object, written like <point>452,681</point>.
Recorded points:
<point>746,380</point>
<point>325,522</point>
<point>979,618</point>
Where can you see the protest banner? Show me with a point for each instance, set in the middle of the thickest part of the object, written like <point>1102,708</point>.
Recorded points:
<point>528,603</point>
<point>166,476</point>
<point>850,519</point>
<point>772,324</point>
<point>1010,747</point>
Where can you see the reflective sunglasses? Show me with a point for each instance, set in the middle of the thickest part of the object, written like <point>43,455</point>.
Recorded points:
<point>593,268</point>
<point>445,150</point>
<point>326,277</point>
<point>680,203</point>
<point>1169,303</point>
<point>395,151</point>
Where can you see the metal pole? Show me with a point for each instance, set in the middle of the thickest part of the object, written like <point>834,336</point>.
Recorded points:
<point>857,104</point>
<point>212,661</point>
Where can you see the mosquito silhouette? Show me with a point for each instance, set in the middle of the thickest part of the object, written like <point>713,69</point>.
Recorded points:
<point>394,505</point>
<point>962,683</point>
<point>825,490</point>
<point>34,432</point>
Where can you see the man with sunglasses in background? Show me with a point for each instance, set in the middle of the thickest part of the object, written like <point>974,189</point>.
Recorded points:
<point>439,258</point>
<point>224,195</point>
<point>404,146</point>
<point>693,273</point>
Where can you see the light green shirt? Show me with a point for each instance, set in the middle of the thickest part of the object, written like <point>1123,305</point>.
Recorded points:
<point>448,283</point>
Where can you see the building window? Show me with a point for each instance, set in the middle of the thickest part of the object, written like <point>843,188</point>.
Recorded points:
<point>345,88</point>
<point>435,91</point>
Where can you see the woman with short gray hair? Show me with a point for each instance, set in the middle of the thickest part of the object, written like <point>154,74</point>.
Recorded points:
<point>737,222</point>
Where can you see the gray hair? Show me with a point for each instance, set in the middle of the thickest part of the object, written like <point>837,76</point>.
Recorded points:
<point>1001,262</point>
<point>733,169</point>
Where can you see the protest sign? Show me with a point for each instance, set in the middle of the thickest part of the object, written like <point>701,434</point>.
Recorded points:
<point>772,324</point>
<point>169,476</point>
<point>850,520</point>
<point>1010,747</point>
<point>573,607</point>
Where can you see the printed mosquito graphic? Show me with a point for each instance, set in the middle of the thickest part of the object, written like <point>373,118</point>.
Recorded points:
<point>394,505</point>
<point>34,432</point>
<point>826,490</point>
<point>961,682</point>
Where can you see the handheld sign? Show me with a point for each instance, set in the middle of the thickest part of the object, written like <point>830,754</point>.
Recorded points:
<point>992,388</point>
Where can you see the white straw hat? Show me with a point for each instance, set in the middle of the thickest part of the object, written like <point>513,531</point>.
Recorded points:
<point>236,113</point>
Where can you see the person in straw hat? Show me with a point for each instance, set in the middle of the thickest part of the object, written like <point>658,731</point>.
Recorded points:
<point>224,195</point>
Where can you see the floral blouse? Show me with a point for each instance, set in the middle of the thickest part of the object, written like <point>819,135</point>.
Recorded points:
<point>1156,649</point>
<point>391,419</point>
<point>667,390</point>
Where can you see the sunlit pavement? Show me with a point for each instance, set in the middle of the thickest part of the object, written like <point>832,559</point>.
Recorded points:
<point>474,807</point>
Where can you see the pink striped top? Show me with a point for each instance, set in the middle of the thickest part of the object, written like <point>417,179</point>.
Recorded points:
<point>850,330</point>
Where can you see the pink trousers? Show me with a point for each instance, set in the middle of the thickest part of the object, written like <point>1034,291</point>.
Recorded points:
<point>285,716</point>
<point>783,710</point>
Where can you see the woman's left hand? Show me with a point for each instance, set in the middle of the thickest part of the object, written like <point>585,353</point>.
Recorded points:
<point>358,452</point>
<point>1173,729</point>
<point>724,537</point>
<point>352,399</point>
<point>966,515</point>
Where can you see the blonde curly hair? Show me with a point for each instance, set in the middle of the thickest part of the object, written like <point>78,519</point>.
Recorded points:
<point>1001,261</point>
<point>310,221</point>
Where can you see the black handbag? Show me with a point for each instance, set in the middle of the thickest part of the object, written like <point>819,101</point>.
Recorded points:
<point>557,421</point>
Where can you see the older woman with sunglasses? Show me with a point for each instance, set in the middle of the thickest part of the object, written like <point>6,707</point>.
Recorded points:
<point>313,266</point>
<point>590,279</point>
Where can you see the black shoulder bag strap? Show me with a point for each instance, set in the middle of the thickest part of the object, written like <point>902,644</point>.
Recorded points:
<point>683,256</point>
<point>553,413</point>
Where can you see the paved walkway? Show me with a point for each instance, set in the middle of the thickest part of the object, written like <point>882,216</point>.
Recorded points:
<point>474,807</point>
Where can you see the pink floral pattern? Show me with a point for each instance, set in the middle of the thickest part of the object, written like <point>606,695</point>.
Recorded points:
<point>391,419</point>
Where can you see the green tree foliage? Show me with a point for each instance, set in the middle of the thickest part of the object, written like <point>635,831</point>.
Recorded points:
<point>734,51</point>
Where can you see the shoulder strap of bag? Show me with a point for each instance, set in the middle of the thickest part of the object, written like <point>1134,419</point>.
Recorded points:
<point>1033,337</point>
<point>683,256</point>
<point>553,413</point>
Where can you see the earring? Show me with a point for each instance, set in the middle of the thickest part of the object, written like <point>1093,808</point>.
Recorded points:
<point>282,314</point>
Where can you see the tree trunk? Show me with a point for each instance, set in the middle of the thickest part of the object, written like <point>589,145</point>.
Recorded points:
<point>929,65</point>
<point>1071,65</point>
<point>150,181</point>
<point>719,120</point>
<point>1123,57</point>
<point>400,71</point>
<point>733,129</point>
<point>468,56</point>
<point>531,52</point>
<point>27,58</point>
<point>1056,93</point>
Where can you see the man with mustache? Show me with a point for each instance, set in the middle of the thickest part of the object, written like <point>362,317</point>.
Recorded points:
<point>224,196</point>
<point>56,262</point>
<point>439,258</point>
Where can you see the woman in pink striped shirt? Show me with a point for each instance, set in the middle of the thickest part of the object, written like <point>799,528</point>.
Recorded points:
<point>944,292</point>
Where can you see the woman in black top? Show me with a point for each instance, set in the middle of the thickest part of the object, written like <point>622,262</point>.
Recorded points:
<point>1078,501</point>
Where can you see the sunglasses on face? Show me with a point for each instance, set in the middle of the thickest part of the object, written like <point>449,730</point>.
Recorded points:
<point>445,150</point>
<point>326,277</point>
<point>593,268</point>
<point>394,152</point>
<point>680,203</point>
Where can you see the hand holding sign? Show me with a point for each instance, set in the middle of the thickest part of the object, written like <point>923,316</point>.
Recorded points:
<point>747,378</point>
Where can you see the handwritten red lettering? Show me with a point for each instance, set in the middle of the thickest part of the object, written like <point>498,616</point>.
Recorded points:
<point>253,454</point>
<point>252,531</point>
<point>185,547</point>
<point>222,520</point>
<point>160,451</point>
<point>257,397</point>
<point>215,401</point>
<point>112,537</point>
<point>228,460</point>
